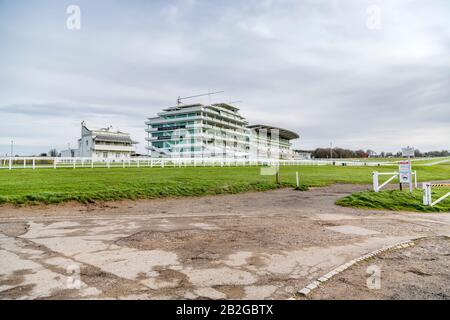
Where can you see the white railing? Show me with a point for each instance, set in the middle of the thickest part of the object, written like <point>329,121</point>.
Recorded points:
<point>375,175</point>
<point>427,201</point>
<point>79,162</point>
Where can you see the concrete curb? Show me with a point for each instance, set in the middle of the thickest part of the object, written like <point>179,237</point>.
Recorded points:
<point>314,284</point>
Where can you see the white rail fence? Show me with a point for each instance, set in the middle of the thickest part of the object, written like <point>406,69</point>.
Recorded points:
<point>427,201</point>
<point>375,179</point>
<point>10,163</point>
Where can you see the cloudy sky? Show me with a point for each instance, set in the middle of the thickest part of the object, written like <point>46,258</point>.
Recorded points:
<point>363,74</point>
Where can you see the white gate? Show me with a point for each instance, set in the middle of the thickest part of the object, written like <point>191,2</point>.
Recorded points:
<point>377,187</point>
<point>427,201</point>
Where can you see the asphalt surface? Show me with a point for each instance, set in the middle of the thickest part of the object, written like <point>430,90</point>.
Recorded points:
<point>264,245</point>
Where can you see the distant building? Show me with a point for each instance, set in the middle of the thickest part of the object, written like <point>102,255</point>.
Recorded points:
<point>103,143</point>
<point>303,154</point>
<point>69,153</point>
<point>215,130</point>
<point>272,142</point>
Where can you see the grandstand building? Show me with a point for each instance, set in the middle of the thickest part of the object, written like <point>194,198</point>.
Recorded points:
<point>215,130</point>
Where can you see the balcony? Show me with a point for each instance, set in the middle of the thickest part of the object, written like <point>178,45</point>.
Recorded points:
<point>162,121</point>
<point>104,147</point>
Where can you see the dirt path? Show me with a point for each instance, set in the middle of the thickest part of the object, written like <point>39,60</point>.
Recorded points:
<point>264,245</point>
<point>417,272</point>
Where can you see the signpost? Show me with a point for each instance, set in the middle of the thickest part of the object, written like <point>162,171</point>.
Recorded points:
<point>405,173</point>
<point>408,152</point>
<point>404,168</point>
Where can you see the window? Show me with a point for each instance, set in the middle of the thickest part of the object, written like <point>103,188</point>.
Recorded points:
<point>105,154</point>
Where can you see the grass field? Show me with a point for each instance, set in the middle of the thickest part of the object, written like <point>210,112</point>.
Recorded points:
<point>396,159</point>
<point>396,200</point>
<point>88,185</point>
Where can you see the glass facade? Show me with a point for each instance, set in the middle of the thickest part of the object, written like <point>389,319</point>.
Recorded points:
<point>216,130</point>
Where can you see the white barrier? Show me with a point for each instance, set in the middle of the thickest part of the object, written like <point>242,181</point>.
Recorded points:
<point>376,174</point>
<point>427,201</point>
<point>138,162</point>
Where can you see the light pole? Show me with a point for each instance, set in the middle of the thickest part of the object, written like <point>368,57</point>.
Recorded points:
<point>10,156</point>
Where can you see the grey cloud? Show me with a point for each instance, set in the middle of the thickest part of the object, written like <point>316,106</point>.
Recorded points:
<point>310,66</point>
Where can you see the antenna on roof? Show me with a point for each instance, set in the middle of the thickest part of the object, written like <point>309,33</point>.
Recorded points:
<point>237,101</point>
<point>179,99</point>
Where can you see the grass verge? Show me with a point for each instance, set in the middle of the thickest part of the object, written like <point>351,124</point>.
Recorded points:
<point>396,200</point>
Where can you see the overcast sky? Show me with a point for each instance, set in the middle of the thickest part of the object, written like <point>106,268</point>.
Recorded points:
<point>342,71</point>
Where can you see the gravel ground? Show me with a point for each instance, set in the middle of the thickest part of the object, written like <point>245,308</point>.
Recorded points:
<point>417,272</point>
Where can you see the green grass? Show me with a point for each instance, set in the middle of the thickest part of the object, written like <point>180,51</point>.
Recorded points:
<point>396,200</point>
<point>396,159</point>
<point>26,186</point>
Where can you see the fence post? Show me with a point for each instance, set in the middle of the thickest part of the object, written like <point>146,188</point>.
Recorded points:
<point>375,181</point>
<point>54,163</point>
<point>138,163</point>
<point>297,180</point>
<point>415,179</point>
<point>74,162</point>
<point>10,163</point>
<point>92,163</point>
<point>24,163</point>
<point>426,186</point>
<point>34,163</point>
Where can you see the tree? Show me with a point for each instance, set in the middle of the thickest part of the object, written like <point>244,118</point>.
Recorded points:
<point>371,153</point>
<point>53,153</point>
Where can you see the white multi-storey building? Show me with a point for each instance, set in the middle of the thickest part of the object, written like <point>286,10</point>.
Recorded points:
<point>198,130</point>
<point>271,142</point>
<point>215,130</point>
<point>103,143</point>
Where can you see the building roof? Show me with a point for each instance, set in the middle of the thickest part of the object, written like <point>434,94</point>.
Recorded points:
<point>226,106</point>
<point>284,133</point>
<point>109,135</point>
<point>183,106</point>
<point>303,151</point>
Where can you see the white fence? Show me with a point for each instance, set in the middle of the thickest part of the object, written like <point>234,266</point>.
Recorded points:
<point>375,181</point>
<point>427,201</point>
<point>137,162</point>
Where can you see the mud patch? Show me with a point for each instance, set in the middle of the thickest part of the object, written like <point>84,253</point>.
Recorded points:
<point>219,276</point>
<point>192,244</point>
<point>13,229</point>
<point>348,229</point>
<point>17,292</point>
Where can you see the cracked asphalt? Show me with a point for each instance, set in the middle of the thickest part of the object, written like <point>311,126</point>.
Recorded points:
<point>263,245</point>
